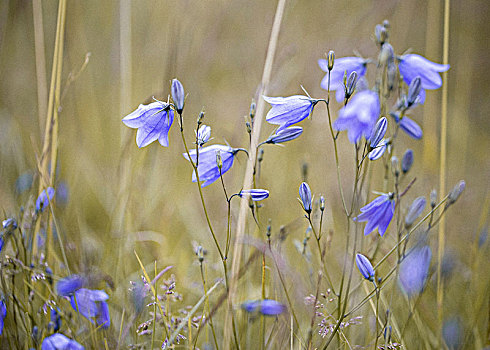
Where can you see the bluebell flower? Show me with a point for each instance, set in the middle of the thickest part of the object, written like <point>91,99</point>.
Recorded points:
<point>379,150</point>
<point>412,66</point>
<point>255,194</point>
<point>59,341</point>
<point>349,64</point>
<point>365,267</point>
<point>267,307</point>
<point>207,167</point>
<point>92,303</point>
<point>69,285</point>
<point>359,116</point>
<point>203,135</point>
<point>3,314</point>
<point>407,161</point>
<point>379,132</point>
<point>305,196</point>
<point>153,122</point>
<point>9,224</point>
<point>251,305</point>
<point>44,198</point>
<point>378,214</point>
<point>285,135</point>
<point>414,270</point>
<point>178,95</point>
<point>287,111</point>
<point>416,208</point>
<point>410,127</point>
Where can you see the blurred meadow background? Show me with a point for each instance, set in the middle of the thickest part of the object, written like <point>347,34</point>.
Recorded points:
<point>121,199</point>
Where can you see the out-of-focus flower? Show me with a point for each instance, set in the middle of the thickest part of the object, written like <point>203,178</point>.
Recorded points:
<point>59,341</point>
<point>92,303</point>
<point>208,167</point>
<point>203,135</point>
<point>3,314</point>
<point>417,207</point>
<point>378,214</point>
<point>255,194</point>
<point>287,111</point>
<point>407,161</point>
<point>359,116</point>
<point>44,198</point>
<point>69,285</point>
<point>456,192</point>
<point>365,267</point>
<point>285,135</point>
<point>153,122</point>
<point>55,320</point>
<point>414,270</point>
<point>62,193</point>
<point>408,126</point>
<point>23,182</point>
<point>412,66</point>
<point>9,224</point>
<point>178,95</point>
<point>266,307</point>
<point>343,64</point>
<point>305,196</point>
<point>452,333</point>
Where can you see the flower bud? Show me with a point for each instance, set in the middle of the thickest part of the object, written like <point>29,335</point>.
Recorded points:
<point>407,161</point>
<point>253,108</point>
<point>285,135</point>
<point>249,127</point>
<point>322,203</point>
<point>305,195</point>
<point>219,161</point>
<point>200,117</point>
<point>391,73</point>
<point>379,132</point>
<point>254,194</point>
<point>413,92</point>
<point>330,60</point>
<point>387,334</point>
<point>9,224</point>
<point>456,192</point>
<point>350,86</point>
<point>433,198</point>
<point>178,95</point>
<point>381,34</point>
<point>365,267</point>
<point>395,165</point>
<point>417,207</point>
<point>386,55</point>
<point>260,157</point>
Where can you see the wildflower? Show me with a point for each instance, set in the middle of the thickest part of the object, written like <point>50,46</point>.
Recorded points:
<point>285,135</point>
<point>359,116</point>
<point>330,60</point>
<point>44,198</point>
<point>305,196</point>
<point>322,203</point>
<point>3,314</point>
<point>412,66</point>
<point>413,92</point>
<point>379,132</point>
<point>417,207</point>
<point>350,85</point>
<point>255,194</point>
<point>207,167</point>
<point>407,161</point>
<point>9,224</point>
<point>55,320</point>
<point>414,270</point>
<point>69,285</point>
<point>2,242</point>
<point>178,95</point>
<point>365,267</point>
<point>203,135</point>
<point>153,122</point>
<point>92,303</point>
<point>59,341</point>
<point>408,126</point>
<point>456,192</point>
<point>379,150</point>
<point>378,214</point>
<point>342,65</point>
<point>251,306</point>
<point>266,307</point>
<point>287,111</point>
<point>452,333</point>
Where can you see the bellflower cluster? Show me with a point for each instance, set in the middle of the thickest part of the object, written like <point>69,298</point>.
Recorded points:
<point>412,66</point>
<point>59,341</point>
<point>365,267</point>
<point>208,168</point>
<point>341,66</point>
<point>44,198</point>
<point>153,122</point>
<point>254,194</point>
<point>287,111</point>
<point>378,214</point>
<point>359,116</point>
<point>414,270</point>
<point>267,307</point>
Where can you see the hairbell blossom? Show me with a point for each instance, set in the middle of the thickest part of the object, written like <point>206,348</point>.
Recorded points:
<point>92,304</point>
<point>44,198</point>
<point>285,135</point>
<point>59,341</point>
<point>341,66</point>
<point>305,196</point>
<point>412,66</point>
<point>287,111</point>
<point>267,307</point>
<point>153,122</point>
<point>414,270</point>
<point>378,214</point>
<point>410,127</point>
<point>254,194</point>
<point>365,267</point>
<point>207,167</point>
<point>359,116</point>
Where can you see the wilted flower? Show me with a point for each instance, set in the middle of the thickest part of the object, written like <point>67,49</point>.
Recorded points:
<point>342,65</point>
<point>207,167</point>
<point>378,214</point>
<point>359,116</point>
<point>3,314</point>
<point>44,198</point>
<point>414,270</point>
<point>69,285</point>
<point>407,161</point>
<point>92,303</point>
<point>287,111</point>
<point>417,207</point>
<point>285,135</point>
<point>153,122</point>
<point>365,267</point>
<point>305,196</point>
<point>178,95</point>
<point>254,194</point>
<point>203,135</point>
<point>266,307</point>
<point>59,341</point>
<point>412,66</point>
<point>409,126</point>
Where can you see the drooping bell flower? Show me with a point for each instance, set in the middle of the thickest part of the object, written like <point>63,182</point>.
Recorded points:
<point>287,111</point>
<point>378,214</point>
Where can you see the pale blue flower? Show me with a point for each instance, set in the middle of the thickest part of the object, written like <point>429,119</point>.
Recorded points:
<point>410,127</point>
<point>44,198</point>
<point>153,122</point>
<point>359,116</point>
<point>92,303</point>
<point>203,135</point>
<point>285,135</point>
<point>255,194</point>
<point>365,267</point>
<point>407,161</point>
<point>3,314</point>
<point>305,196</point>
<point>379,150</point>
<point>208,167</point>
<point>416,208</point>
<point>341,65</point>
<point>178,95</point>
<point>69,285</point>
<point>414,270</point>
<point>267,307</point>
<point>287,111</point>
<point>379,132</point>
<point>378,214</point>
<point>59,341</point>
